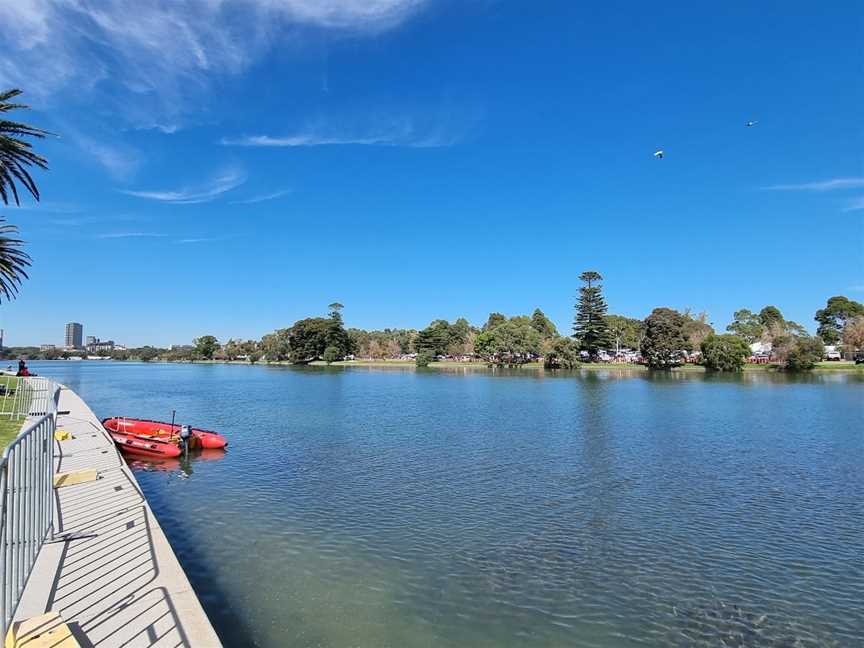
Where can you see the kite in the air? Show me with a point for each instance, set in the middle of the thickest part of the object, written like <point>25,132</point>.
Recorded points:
<point>658,154</point>
<point>751,123</point>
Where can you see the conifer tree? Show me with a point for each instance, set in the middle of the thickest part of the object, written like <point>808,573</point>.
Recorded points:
<point>590,327</point>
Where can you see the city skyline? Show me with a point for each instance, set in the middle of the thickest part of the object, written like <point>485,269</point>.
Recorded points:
<point>434,160</point>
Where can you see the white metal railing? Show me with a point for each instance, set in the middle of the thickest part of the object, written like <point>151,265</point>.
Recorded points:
<point>23,397</point>
<point>26,492</point>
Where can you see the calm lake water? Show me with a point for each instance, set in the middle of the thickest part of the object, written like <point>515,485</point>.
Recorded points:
<point>393,508</point>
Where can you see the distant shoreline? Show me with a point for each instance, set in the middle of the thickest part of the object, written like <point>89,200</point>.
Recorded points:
<point>822,367</point>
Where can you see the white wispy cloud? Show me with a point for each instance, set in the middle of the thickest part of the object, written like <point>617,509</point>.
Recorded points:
<point>78,221</point>
<point>121,162</point>
<point>48,207</point>
<point>823,185</point>
<point>118,235</point>
<point>164,51</point>
<point>855,205</point>
<point>262,197</point>
<point>222,183</point>
<point>422,128</point>
<point>307,139</point>
<point>202,239</point>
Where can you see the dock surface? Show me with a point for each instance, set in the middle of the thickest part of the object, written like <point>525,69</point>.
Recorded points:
<point>111,572</point>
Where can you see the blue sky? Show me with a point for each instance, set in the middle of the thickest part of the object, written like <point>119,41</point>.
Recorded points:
<point>230,167</point>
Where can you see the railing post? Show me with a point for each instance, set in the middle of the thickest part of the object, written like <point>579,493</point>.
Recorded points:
<point>26,490</point>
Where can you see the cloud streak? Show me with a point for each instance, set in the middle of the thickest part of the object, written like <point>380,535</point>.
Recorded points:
<point>855,205</point>
<point>824,185</point>
<point>120,162</point>
<point>308,139</point>
<point>425,128</point>
<point>202,239</point>
<point>120,235</point>
<point>165,51</point>
<point>220,184</point>
<point>262,197</point>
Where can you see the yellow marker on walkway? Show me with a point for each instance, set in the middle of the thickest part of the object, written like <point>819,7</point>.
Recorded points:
<point>75,477</point>
<point>45,631</point>
<point>62,435</point>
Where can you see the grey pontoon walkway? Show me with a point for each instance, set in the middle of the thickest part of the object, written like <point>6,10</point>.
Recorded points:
<point>113,575</point>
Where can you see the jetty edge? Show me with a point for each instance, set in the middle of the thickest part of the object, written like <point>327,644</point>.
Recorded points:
<point>109,570</point>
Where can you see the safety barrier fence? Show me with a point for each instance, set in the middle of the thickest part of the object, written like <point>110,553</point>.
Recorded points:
<point>26,490</point>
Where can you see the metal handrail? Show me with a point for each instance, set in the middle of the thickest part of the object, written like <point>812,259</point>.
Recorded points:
<point>26,493</point>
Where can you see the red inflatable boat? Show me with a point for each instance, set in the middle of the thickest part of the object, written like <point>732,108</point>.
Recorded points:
<point>144,446</point>
<point>164,432</point>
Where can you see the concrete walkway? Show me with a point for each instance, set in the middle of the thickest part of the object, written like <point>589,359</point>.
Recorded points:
<point>112,574</point>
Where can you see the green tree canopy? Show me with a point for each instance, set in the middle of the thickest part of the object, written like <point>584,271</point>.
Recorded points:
<point>276,345</point>
<point>424,358</point>
<point>625,332</point>
<point>543,325</point>
<point>664,343</point>
<point>331,354</point>
<point>459,335</point>
<point>337,336</point>
<point>562,353</point>
<point>206,346</point>
<point>308,338</point>
<point>435,338</point>
<point>494,320</point>
<point>590,328</point>
<point>724,352</point>
<point>770,315</point>
<point>853,334</point>
<point>746,324</point>
<point>834,316</point>
<point>513,342</point>
<point>696,329</point>
<point>145,353</point>
<point>805,354</point>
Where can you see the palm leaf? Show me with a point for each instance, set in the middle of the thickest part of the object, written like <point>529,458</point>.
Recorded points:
<point>13,261</point>
<point>16,154</point>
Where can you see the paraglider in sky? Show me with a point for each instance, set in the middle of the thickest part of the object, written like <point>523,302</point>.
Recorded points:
<point>658,154</point>
<point>751,123</point>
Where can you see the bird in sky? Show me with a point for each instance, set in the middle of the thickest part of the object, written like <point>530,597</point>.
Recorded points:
<point>751,123</point>
<point>658,154</point>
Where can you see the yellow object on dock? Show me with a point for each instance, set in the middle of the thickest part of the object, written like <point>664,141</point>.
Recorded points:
<point>62,435</point>
<point>75,477</point>
<point>45,631</point>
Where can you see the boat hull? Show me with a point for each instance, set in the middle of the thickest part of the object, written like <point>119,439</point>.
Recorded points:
<point>145,446</point>
<point>200,440</point>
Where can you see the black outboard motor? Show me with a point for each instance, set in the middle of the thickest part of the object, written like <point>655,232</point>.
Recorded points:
<point>185,435</point>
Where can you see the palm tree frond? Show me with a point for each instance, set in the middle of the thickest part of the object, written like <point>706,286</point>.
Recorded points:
<point>16,152</point>
<point>13,261</point>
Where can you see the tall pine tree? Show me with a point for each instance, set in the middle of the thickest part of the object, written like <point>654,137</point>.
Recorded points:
<point>590,328</point>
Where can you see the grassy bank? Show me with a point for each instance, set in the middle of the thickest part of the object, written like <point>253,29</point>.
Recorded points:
<point>9,428</point>
<point>8,431</point>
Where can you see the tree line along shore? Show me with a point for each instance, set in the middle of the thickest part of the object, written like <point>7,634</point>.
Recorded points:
<point>665,339</point>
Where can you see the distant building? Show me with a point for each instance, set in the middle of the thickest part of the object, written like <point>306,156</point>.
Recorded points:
<point>101,345</point>
<point>91,339</point>
<point>74,335</point>
<point>761,348</point>
<point>47,347</point>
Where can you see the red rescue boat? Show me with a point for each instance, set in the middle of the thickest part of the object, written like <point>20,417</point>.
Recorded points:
<point>145,446</point>
<point>167,432</point>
